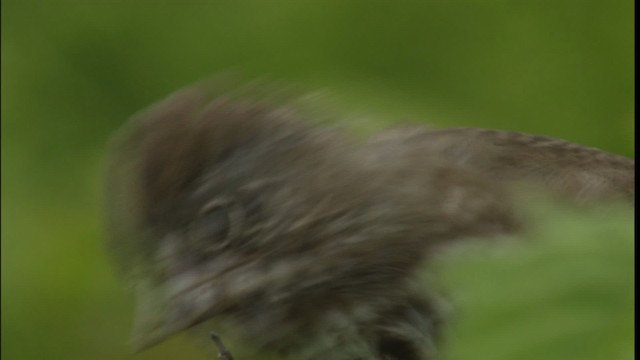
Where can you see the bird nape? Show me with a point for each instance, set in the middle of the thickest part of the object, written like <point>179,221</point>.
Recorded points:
<point>241,209</point>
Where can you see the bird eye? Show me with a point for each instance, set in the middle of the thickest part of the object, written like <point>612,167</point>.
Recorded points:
<point>215,223</point>
<point>213,227</point>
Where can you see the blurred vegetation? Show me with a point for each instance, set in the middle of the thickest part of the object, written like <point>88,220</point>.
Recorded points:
<point>73,71</point>
<point>566,291</point>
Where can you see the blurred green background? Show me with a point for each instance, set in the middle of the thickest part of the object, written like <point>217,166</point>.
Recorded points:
<point>74,71</point>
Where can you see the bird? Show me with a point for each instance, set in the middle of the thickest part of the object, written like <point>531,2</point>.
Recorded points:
<point>232,206</point>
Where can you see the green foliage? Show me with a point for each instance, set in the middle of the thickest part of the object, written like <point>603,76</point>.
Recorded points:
<point>563,292</point>
<point>74,71</point>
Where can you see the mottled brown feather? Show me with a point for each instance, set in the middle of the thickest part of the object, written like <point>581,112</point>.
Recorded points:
<point>326,234</point>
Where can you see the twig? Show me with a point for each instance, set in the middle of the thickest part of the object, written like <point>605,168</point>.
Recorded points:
<point>223,353</point>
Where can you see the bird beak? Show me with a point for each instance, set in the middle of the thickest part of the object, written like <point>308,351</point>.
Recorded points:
<point>164,309</point>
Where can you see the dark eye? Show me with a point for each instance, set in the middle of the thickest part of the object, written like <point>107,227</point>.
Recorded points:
<point>214,226</point>
<point>214,223</point>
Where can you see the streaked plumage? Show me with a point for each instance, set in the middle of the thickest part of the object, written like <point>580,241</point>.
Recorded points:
<point>306,241</point>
